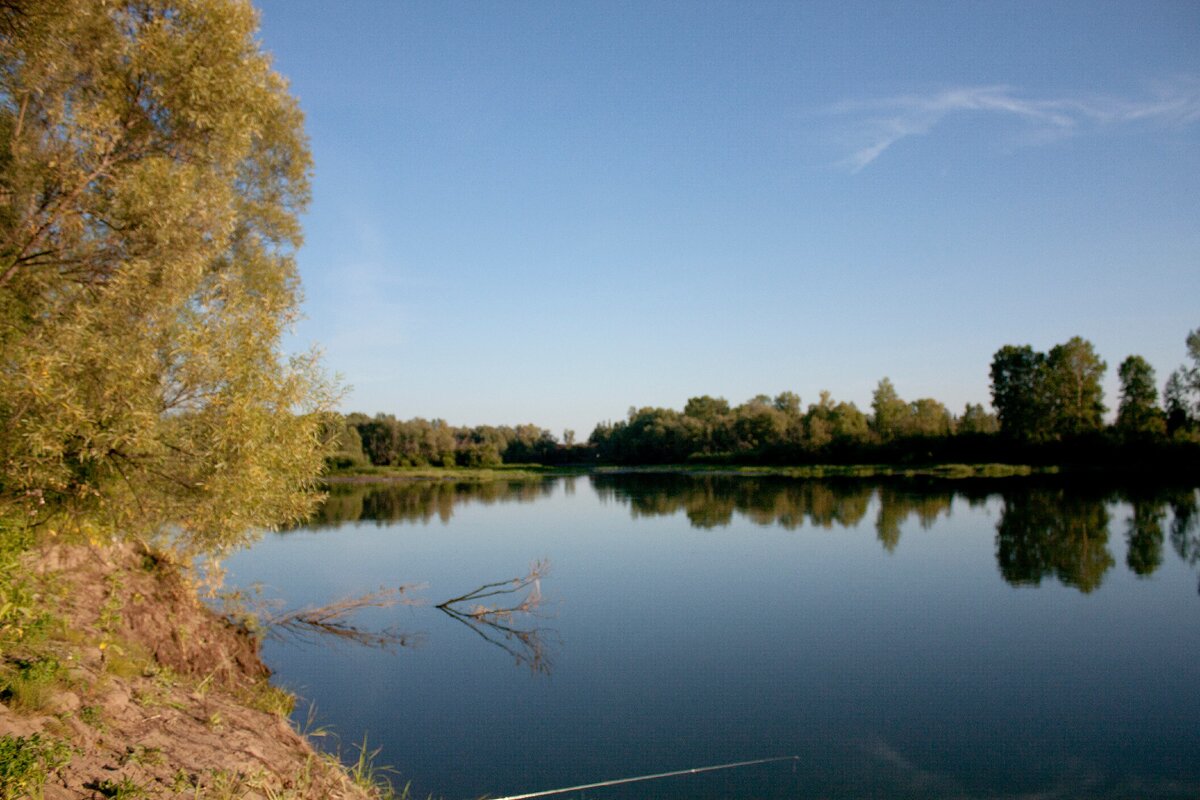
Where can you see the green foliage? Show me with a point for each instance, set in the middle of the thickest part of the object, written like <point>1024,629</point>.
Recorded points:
<point>372,778</point>
<point>895,419</point>
<point>709,422</point>
<point>26,762</point>
<point>92,715</point>
<point>1138,415</point>
<point>271,699</point>
<point>22,620</point>
<point>152,167</point>
<point>347,444</point>
<point>975,420</point>
<point>830,425</point>
<point>1018,392</point>
<point>889,411</point>
<point>1182,393</point>
<point>387,441</point>
<point>26,684</point>
<point>757,424</point>
<point>1073,375</point>
<point>1049,406</point>
<point>1039,397</point>
<point>928,418</point>
<point>124,789</point>
<point>1177,406</point>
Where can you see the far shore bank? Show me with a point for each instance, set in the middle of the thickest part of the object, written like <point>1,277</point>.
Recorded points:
<point>1133,471</point>
<point>815,471</point>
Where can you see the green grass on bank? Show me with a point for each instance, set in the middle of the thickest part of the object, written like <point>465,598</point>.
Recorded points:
<point>850,470</point>
<point>535,471</point>
<point>504,472</point>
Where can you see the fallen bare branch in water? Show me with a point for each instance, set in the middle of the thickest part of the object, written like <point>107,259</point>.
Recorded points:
<point>527,645</point>
<point>309,624</point>
<point>537,570</point>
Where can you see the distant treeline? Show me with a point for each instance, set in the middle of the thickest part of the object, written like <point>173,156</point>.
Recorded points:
<point>1047,408</point>
<point>383,440</point>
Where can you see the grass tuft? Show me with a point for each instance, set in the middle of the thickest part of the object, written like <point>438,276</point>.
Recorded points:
<point>373,778</point>
<point>27,685</point>
<point>124,789</point>
<point>26,762</point>
<point>271,699</point>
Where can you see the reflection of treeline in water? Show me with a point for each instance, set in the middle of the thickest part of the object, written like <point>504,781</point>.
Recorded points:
<point>419,501</point>
<point>710,501</point>
<point>1044,530</point>
<point>1055,532</point>
<point>1048,529</point>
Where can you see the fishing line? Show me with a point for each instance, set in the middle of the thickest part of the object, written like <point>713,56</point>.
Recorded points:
<point>656,776</point>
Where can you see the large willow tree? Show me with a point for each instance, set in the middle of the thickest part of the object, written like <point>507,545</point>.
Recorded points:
<point>152,166</point>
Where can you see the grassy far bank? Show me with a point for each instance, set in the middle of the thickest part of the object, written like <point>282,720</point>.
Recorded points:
<point>536,471</point>
<point>817,471</point>
<point>515,472</point>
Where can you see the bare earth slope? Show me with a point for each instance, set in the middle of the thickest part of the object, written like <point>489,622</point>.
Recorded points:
<point>154,694</point>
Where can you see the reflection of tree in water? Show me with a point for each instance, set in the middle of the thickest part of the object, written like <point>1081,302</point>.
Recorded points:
<point>710,501</point>
<point>1144,534</point>
<point>417,501</point>
<point>507,625</point>
<point>827,504</point>
<point>706,502</point>
<point>897,505</point>
<point>506,621</point>
<point>1046,532</point>
<point>1061,531</point>
<point>1185,526</point>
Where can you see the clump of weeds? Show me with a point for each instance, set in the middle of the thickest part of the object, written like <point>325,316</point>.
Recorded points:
<point>26,762</point>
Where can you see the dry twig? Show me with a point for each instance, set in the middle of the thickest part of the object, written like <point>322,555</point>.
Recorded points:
<point>496,624</point>
<point>307,624</point>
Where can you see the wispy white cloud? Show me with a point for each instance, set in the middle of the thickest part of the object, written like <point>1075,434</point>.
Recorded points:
<point>884,121</point>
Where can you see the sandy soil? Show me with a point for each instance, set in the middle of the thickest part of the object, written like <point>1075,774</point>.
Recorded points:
<point>161,696</point>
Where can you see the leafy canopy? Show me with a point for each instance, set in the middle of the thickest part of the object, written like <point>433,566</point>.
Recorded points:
<point>152,167</point>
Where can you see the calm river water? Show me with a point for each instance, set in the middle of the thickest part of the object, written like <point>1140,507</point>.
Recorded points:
<point>901,640</point>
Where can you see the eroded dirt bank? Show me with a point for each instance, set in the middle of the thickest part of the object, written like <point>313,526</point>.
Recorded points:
<point>143,691</point>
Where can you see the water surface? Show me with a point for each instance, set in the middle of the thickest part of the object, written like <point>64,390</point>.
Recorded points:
<point>955,640</point>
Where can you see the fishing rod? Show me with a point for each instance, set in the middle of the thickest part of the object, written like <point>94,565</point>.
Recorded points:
<point>656,776</point>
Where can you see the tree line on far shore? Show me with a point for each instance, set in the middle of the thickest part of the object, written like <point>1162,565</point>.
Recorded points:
<point>1047,407</point>
<point>383,440</point>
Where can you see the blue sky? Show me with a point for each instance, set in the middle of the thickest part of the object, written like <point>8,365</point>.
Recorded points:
<point>549,212</point>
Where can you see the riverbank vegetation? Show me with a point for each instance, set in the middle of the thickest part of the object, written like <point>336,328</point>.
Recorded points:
<point>1048,410</point>
<point>116,681</point>
<point>152,170</point>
